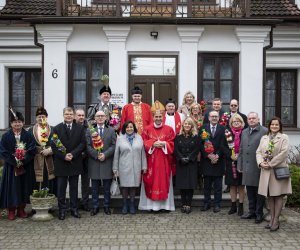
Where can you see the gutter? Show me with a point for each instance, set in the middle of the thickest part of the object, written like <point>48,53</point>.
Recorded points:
<point>42,47</point>
<point>265,48</point>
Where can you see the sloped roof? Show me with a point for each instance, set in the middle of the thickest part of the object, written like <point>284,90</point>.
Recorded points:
<point>272,8</point>
<point>29,7</point>
<point>258,8</point>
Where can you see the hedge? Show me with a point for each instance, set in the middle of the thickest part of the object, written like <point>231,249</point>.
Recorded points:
<point>293,199</point>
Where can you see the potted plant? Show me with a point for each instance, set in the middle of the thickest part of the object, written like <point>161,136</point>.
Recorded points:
<point>42,202</point>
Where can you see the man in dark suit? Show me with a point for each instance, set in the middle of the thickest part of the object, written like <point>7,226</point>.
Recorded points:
<point>100,162</point>
<point>213,151</point>
<point>234,108</point>
<point>68,162</point>
<point>216,106</point>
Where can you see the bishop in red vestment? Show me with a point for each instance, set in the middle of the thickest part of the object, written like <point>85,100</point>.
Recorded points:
<point>157,189</point>
<point>137,112</point>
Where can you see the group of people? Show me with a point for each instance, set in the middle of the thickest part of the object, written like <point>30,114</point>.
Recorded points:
<point>147,147</point>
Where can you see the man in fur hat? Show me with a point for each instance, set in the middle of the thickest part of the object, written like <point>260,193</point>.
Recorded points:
<point>137,111</point>
<point>111,110</point>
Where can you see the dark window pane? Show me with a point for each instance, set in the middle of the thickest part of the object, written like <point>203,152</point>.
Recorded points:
<point>271,80</point>
<point>269,113</point>
<point>79,69</point>
<point>270,97</point>
<point>209,69</point>
<point>225,91</point>
<point>18,89</point>
<point>95,87</point>
<point>97,69</point>
<point>226,69</point>
<point>79,92</point>
<point>287,116</point>
<point>208,90</point>
<point>36,89</point>
<point>287,80</point>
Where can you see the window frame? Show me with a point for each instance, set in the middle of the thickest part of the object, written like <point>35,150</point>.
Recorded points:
<point>27,104</point>
<point>88,56</point>
<point>235,75</point>
<point>278,72</point>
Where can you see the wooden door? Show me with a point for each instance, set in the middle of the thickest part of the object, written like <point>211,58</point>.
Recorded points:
<point>155,88</point>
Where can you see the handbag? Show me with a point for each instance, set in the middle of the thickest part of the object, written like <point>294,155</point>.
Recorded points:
<point>114,187</point>
<point>281,173</point>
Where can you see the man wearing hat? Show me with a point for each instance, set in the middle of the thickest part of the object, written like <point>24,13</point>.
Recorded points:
<point>111,110</point>
<point>43,160</point>
<point>157,188</point>
<point>137,111</point>
<point>18,173</point>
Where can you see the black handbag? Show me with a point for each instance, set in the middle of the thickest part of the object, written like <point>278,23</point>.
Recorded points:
<point>282,173</point>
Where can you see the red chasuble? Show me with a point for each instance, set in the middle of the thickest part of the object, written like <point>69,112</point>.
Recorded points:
<point>157,178</point>
<point>140,114</point>
<point>177,122</point>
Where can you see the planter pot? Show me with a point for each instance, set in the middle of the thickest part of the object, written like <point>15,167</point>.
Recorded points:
<point>42,206</point>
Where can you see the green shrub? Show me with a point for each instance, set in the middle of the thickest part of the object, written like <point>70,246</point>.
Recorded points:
<point>294,198</point>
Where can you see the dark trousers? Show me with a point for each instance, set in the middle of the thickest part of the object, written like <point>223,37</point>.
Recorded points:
<point>62,182</point>
<point>95,192</point>
<point>186,196</point>
<point>217,182</point>
<point>256,201</point>
<point>85,185</point>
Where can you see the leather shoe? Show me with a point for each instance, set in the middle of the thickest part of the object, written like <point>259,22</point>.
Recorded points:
<point>61,215</point>
<point>217,209</point>
<point>268,226</point>
<point>205,207</point>
<point>85,207</point>
<point>248,216</point>
<point>107,211</point>
<point>75,214</point>
<point>94,211</point>
<point>259,219</point>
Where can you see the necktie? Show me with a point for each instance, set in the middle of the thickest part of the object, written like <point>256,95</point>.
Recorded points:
<point>69,127</point>
<point>251,130</point>
<point>100,131</point>
<point>213,131</point>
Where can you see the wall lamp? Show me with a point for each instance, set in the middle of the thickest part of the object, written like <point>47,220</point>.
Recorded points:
<point>154,34</point>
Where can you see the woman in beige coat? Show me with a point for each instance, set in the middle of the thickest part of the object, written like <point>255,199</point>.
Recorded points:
<point>271,153</point>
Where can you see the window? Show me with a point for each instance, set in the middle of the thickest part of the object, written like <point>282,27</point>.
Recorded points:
<point>218,77</point>
<point>85,71</point>
<point>280,93</point>
<point>26,92</point>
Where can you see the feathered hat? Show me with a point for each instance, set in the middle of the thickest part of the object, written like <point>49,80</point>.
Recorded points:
<point>15,116</point>
<point>105,80</point>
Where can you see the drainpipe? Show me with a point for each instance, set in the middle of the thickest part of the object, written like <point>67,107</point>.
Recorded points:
<point>265,66</point>
<point>42,47</point>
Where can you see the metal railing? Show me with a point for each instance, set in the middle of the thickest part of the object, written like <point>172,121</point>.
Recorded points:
<point>156,8</point>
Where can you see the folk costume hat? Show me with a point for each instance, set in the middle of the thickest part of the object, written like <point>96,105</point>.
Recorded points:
<point>136,90</point>
<point>41,111</point>
<point>157,108</point>
<point>170,100</point>
<point>105,80</point>
<point>15,116</point>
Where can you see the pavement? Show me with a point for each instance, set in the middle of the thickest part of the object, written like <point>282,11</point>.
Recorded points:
<point>146,230</point>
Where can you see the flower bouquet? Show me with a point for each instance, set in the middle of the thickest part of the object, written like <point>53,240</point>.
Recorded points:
<point>224,119</point>
<point>268,156</point>
<point>114,118</point>
<point>208,146</point>
<point>44,133</point>
<point>230,143</point>
<point>19,156</point>
<point>59,144</point>
<point>96,140</point>
<point>203,106</point>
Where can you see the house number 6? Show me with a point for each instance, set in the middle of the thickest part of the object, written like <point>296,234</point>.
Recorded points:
<point>54,73</point>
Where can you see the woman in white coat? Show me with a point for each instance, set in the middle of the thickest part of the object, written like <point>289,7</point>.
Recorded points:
<point>272,152</point>
<point>129,163</point>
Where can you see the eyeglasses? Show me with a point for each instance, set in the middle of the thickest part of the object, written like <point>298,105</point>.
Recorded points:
<point>233,105</point>
<point>214,116</point>
<point>100,115</point>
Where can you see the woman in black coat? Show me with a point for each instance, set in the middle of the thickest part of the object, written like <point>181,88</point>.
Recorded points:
<point>187,147</point>
<point>233,178</point>
<point>18,176</point>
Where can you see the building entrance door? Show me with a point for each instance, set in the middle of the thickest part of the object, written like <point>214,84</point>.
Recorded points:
<point>156,76</point>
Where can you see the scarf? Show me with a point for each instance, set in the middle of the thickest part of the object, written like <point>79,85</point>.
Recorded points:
<point>237,138</point>
<point>130,138</point>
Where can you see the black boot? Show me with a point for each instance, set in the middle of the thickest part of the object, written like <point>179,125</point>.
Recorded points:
<point>131,206</point>
<point>241,209</point>
<point>233,208</point>
<point>125,207</point>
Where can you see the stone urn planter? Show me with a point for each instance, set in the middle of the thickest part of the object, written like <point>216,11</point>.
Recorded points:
<point>42,206</point>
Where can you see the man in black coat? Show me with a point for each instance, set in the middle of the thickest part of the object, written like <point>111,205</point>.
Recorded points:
<point>68,161</point>
<point>216,105</point>
<point>214,149</point>
<point>234,108</point>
